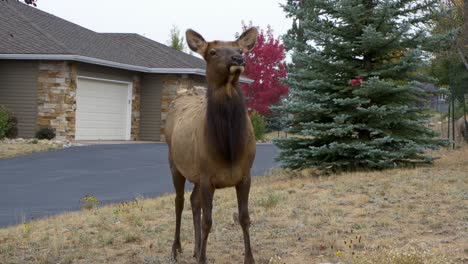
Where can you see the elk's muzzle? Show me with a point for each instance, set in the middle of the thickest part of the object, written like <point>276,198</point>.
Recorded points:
<point>238,60</point>
<point>237,64</point>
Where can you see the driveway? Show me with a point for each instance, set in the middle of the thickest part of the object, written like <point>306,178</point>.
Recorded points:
<point>44,184</point>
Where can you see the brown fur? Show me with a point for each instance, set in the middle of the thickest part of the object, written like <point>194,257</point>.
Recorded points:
<point>226,125</point>
<point>211,140</point>
<point>460,130</point>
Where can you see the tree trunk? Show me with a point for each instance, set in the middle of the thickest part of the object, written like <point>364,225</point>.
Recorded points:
<point>453,120</point>
<point>465,25</point>
<point>465,134</point>
<point>449,116</point>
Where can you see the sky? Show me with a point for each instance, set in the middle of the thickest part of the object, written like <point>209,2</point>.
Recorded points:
<point>213,19</point>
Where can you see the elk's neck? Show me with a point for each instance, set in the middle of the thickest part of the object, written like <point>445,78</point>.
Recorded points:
<point>226,120</point>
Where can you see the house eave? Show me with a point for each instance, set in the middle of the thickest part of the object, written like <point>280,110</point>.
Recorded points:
<point>101,62</point>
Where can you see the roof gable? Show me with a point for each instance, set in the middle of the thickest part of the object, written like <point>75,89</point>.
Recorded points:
<point>28,30</point>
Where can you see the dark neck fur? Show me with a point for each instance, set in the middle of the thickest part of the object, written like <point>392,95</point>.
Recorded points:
<point>226,119</point>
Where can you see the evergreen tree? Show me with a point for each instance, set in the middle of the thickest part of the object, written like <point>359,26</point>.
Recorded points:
<point>176,40</point>
<point>354,96</point>
<point>449,63</point>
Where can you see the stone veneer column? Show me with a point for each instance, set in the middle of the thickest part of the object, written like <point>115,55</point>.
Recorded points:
<point>57,98</point>
<point>135,131</point>
<point>172,85</point>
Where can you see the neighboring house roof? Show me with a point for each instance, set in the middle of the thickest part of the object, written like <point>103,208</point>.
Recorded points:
<point>29,33</point>
<point>28,30</point>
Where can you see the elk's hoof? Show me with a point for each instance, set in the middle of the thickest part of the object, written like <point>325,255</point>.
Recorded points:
<point>176,249</point>
<point>249,260</point>
<point>202,261</point>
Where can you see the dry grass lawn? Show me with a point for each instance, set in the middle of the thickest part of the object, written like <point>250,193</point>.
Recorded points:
<point>9,150</point>
<point>403,216</point>
<point>270,136</point>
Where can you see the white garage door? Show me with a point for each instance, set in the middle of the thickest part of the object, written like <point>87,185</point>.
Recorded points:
<point>102,110</point>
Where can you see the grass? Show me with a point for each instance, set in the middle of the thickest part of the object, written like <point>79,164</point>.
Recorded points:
<point>9,150</point>
<point>270,136</point>
<point>401,216</point>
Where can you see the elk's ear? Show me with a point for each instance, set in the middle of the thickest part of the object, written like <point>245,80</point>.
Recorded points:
<point>196,42</point>
<point>247,40</point>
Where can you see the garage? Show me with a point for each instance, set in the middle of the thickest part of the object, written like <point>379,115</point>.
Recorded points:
<point>103,109</point>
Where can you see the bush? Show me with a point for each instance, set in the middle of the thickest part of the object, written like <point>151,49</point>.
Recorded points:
<point>45,133</point>
<point>270,202</point>
<point>258,124</point>
<point>13,131</point>
<point>7,123</point>
<point>89,202</point>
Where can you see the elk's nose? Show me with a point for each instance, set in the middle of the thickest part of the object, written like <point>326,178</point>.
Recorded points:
<point>238,59</point>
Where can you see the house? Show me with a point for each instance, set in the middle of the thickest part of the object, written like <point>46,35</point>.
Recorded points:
<point>87,85</point>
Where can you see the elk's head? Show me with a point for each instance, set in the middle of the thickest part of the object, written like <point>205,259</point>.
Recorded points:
<point>225,59</point>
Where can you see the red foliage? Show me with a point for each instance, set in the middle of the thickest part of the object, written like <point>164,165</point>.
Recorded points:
<point>28,2</point>
<point>31,2</point>
<point>357,81</point>
<point>265,66</point>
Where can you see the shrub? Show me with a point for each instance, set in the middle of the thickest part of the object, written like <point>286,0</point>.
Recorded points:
<point>7,123</point>
<point>45,133</point>
<point>89,202</point>
<point>270,202</point>
<point>13,131</point>
<point>258,124</point>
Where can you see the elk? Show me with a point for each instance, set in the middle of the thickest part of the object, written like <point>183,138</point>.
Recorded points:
<point>211,140</point>
<point>460,125</point>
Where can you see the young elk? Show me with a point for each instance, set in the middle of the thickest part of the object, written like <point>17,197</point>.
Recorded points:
<point>211,140</point>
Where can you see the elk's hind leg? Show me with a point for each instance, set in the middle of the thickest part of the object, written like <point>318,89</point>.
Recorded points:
<point>207,192</point>
<point>179,184</point>
<point>242,191</point>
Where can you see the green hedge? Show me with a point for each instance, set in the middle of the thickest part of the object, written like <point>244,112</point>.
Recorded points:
<point>7,123</point>
<point>258,124</point>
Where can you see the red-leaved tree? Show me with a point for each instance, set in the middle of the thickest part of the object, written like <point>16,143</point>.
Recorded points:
<point>29,2</point>
<point>265,66</point>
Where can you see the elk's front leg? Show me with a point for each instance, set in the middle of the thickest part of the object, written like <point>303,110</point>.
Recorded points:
<point>242,191</point>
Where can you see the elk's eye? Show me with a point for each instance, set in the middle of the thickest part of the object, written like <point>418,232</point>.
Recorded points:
<point>212,52</point>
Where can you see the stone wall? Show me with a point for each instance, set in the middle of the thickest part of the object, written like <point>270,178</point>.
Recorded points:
<point>135,131</point>
<point>56,98</point>
<point>172,85</point>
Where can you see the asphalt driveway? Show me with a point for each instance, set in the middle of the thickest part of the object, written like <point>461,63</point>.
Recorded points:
<point>43,184</point>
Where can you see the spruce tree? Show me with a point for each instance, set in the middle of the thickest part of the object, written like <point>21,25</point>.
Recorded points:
<point>355,101</point>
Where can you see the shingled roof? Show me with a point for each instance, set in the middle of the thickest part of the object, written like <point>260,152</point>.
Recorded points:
<point>29,33</point>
